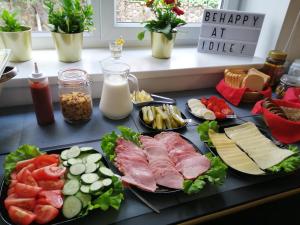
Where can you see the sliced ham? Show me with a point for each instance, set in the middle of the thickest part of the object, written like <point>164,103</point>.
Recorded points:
<point>160,164</point>
<point>188,161</point>
<point>132,162</point>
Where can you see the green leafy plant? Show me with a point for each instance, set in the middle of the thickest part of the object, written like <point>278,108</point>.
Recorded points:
<point>167,20</point>
<point>22,153</point>
<point>11,23</point>
<point>203,129</point>
<point>216,175</point>
<point>69,16</point>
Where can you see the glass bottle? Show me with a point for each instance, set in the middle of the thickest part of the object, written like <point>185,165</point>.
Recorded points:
<point>41,97</point>
<point>274,66</point>
<point>75,95</point>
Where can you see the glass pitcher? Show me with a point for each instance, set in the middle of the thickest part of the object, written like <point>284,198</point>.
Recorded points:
<point>115,100</point>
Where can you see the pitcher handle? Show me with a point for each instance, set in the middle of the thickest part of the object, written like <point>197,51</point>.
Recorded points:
<point>135,81</point>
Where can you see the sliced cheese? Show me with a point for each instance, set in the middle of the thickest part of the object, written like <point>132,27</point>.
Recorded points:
<point>253,82</point>
<point>261,149</point>
<point>257,72</point>
<point>232,155</point>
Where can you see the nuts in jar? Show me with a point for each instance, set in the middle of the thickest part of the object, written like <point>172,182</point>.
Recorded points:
<point>76,106</point>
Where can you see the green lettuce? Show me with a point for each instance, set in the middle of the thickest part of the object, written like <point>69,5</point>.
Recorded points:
<point>203,129</point>
<point>22,153</point>
<point>215,175</point>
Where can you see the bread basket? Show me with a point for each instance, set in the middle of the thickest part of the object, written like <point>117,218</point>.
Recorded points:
<point>251,97</point>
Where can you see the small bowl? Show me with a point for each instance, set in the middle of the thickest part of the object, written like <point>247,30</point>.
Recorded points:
<point>9,73</point>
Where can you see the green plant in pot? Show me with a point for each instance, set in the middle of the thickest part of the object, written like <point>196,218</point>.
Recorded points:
<point>68,19</point>
<point>164,27</point>
<point>15,36</point>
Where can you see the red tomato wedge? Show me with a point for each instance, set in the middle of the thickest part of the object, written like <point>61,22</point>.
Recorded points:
<point>51,184</point>
<point>53,198</point>
<point>46,160</point>
<point>21,164</point>
<point>24,203</point>
<point>27,191</point>
<point>25,177</point>
<point>45,213</point>
<point>49,173</point>
<point>21,216</point>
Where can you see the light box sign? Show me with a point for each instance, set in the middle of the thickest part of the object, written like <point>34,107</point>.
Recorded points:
<point>230,32</point>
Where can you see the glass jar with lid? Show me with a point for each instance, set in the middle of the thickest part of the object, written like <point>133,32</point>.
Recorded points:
<point>286,82</point>
<point>274,66</point>
<point>75,95</point>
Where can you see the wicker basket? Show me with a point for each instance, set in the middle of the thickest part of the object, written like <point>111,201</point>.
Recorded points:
<point>251,97</point>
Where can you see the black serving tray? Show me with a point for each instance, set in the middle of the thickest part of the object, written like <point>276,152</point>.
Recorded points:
<point>60,219</point>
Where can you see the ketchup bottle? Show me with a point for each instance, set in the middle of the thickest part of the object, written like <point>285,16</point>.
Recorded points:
<point>41,97</point>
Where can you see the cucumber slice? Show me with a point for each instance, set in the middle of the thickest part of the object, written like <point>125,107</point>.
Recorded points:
<point>64,154</point>
<point>86,149</point>
<point>90,167</point>
<point>73,161</point>
<point>71,187</point>
<point>72,207</point>
<point>96,186</point>
<point>72,177</point>
<point>106,172</point>
<point>107,181</point>
<point>85,189</point>
<point>65,164</point>
<point>89,178</point>
<point>84,198</point>
<point>77,169</point>
<point>73,152</point>
<point>93,158</point>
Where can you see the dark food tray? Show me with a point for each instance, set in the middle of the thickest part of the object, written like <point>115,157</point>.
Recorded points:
<point>60,219</point>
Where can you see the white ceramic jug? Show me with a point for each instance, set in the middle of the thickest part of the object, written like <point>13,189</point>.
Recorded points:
<point>115,100</point>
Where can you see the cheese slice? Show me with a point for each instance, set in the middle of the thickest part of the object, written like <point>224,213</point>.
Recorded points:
<point>257,72</point>
<point>232,155</point>
<point>261,149</point>
<point>253,82</point>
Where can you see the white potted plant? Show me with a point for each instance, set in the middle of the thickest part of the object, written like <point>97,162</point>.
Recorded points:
<point>68,19</point>
<point>16,37</point>
<point>164,27</point>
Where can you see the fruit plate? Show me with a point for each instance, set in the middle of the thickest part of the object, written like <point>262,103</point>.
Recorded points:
<point>60,219</point>
<point>160,189</point>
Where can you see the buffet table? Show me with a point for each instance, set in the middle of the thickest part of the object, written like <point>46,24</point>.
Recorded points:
<point>18,126</point>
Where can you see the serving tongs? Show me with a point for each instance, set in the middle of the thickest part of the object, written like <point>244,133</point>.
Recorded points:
<point>157,99</point>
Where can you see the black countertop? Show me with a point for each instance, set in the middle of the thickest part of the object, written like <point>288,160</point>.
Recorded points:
<point>18,126</point>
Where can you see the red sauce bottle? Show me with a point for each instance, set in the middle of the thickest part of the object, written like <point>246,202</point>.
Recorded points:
<point>41,98</point>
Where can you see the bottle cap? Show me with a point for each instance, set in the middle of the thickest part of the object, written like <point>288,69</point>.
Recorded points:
<point>277,55</point>
<point>36,76</point>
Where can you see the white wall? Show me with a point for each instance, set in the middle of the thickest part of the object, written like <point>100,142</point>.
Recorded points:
<point>275,11</point>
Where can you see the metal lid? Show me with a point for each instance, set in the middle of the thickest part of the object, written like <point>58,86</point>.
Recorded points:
<point>73,77</point>
<point>292,81</point>
<point>277,55</point>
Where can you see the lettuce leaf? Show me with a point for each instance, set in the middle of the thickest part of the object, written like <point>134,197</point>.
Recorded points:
<point>215,175</point>
<point>290,164</point>
<point>203,129</point>
<point>22,153</point>
<point>130,135</point>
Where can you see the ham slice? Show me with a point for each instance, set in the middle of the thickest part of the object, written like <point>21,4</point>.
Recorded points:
<point>132,162</point>
<point>188,161</point>
<point>160,164</point>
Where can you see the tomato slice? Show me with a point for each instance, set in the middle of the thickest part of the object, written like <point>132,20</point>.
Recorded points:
<point>49,173</point>
<point>26,191</point>
<point>21,216</point>
<point>45,213</point>
<point>21,164</point>
<point>45,160</point>
<point>25,177</point>
<point>51,184</point>
<point>54,198</point>
<point>24,203</point>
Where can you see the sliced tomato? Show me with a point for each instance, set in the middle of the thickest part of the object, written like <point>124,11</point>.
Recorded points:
<point>45,213</point>
<point>21,216</point>
<point>24,203</point>
<point>45,160</point>
<point>49,173</point>
<point>21,164</point>
<point>26,191</point>
<point>54,198</point>
<point>220,115</point>
<point>227,111</point>
<point>25,177</point>
<point>51,184</point>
